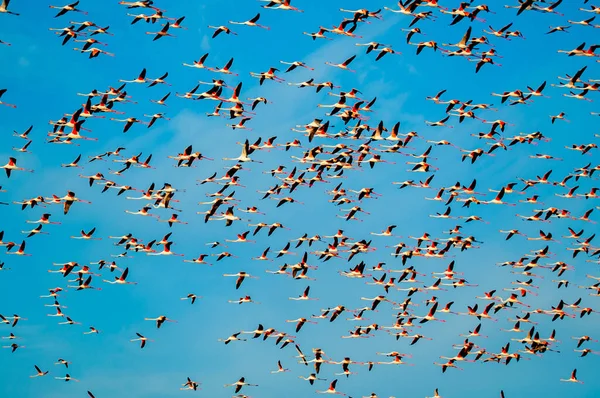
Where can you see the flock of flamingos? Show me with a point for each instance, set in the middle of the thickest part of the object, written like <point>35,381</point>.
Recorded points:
<point>413,276</point>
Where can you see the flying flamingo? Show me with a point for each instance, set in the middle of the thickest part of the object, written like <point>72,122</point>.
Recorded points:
<point>331,389</point>
<point>161,33</point>
<point>190,385</point>
<point>66,378</point>
<point>221,29</point>
<point>251,22</point>
<point>86,235</point>
<point>240,278</point>
<point>39,372</point>
<point>140,79</point>
<point>285,5</point>
<point>198,64</point>
<point>141,339</point>
<point>12,165</point>
<point>239,384</point>
<point>280,368</point>
<point>68,8</point>
<point>120,280</point>
<point>19,252</point>
<point>343,65</point>
<point>233,337</point>
<point>304,295</point>
<point>4,8</point>
<point>573,378</point>
<point>160,320</point>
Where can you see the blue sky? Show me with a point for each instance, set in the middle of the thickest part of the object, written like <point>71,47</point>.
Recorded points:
<point>43,79</point>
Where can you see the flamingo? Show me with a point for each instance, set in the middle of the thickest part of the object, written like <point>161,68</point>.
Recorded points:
<point>66,378</point>
<point>343,65</point>
<point>233,337</point>
<point>331,389</point>
<point>239,384</point>
<point>573,378</point>
<point>251,22</point>
<point>244,157</point>
<point>121,280</point>
<point>19,252</point>
<point>280,5</point>
<point>280,368</point>
<point>2,92</point>
<point>37,230</point>
<point>140,79</point>
<point>4,9</point>
<point>141,339</point>
<point>304,295</point>
<point>160,320</point>
<point>241,276</point>
<point>68,8</point>
<point>86,235</point>
<point>190,385</point>
<point>221,29</point>
<point>39,373</point>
